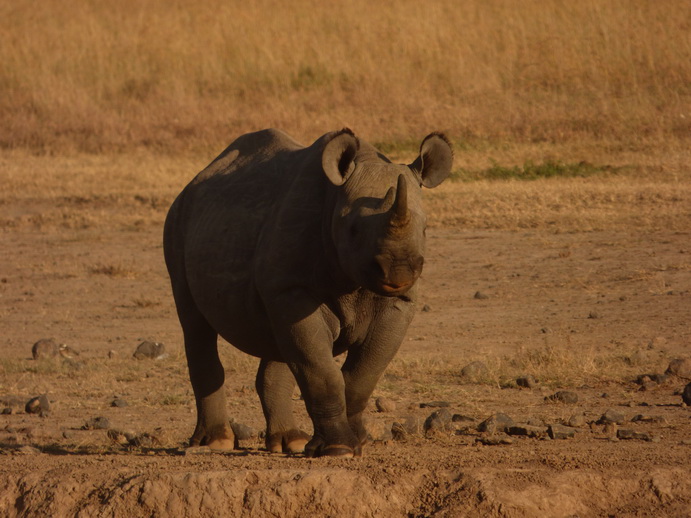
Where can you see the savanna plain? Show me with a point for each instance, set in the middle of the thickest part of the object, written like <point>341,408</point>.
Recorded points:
<point>557,281</point>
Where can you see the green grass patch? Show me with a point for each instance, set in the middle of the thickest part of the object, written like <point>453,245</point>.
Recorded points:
<point>532,171</point>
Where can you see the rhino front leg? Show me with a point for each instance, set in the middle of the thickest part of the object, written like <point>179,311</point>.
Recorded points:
<point>365,364</point>
<point>275,384</point>
<point>305,336</point>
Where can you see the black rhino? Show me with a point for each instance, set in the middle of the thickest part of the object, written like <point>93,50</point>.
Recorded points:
<point>295,255</point>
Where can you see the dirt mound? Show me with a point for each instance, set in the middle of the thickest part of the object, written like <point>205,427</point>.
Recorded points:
<point>345,493</point>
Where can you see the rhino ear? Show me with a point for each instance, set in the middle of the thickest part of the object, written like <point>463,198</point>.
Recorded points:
<point>433,165</point>
<point>338,156</point>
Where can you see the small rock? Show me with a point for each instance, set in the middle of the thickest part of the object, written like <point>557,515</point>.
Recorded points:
<point>594,315</point>
<point>45,348</point>
<point>385,404</point>
<point>526,382</point>
<point>612,416</point>
<point>413,425</point>
<point>686,395</point>
<point>435,404</point>
<point>627,434</point>
<point>112,354</point>
<point>475,371</point>
<point>96,423</point>
<point>480,296</point>
<point>494,440</point>
<point>577,421</point>
<point>242,431</point>
<point>558,431</point>
<point>563,396</point>
<point>527,430</point>
<point>458,418</point>
<point>644,379</point>
<point>680,367</point>
<point>437,421</point>
<point>611,429</point>
<point>6,411</point>
<point>67,434</point>
<point>151,350</point>
<point>497,423</point>
<point>38,405</point>
<point>426,308</point>
<point>119,403</point>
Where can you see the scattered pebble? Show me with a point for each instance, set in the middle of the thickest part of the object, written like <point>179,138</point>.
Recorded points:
<point>45,348</point>
<point>242,431</point>
<point>6,411</point>
<point>644,379</point>
<point>438,421</point>
<point>558,431</point>
<point>686,395</point>
<point>612,416</point>
<point>563,396</point>
<point>151,350</point>
<point>594,315</point>
<point>413,425</point>
<point>627,434</point>
<point>426,308</point>
<point>577,421</point>
<point>96,423</point>
<point>680,367</point>
<point>480,296</point>
<point>119,403</point>
<point>497,423</point>
<point>526,382</point>
<point>38,405</point>
<point>384,404</point>
<point>474,371</point>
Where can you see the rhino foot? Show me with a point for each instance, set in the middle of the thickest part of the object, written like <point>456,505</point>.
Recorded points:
<point>220,438</point>
<point>291,441</point>
<point>319,449</point>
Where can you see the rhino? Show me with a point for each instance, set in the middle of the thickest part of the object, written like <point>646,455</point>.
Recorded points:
<point>297,255</point>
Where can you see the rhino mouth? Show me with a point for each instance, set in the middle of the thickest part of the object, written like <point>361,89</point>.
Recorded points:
<point>391,289</point>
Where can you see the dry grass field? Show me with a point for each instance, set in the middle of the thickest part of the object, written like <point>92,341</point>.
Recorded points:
<point>559,249</point>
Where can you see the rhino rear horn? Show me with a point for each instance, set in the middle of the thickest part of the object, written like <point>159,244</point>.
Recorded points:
<point>433,165</point>
<point>338,156</point>
<point>399,210</point>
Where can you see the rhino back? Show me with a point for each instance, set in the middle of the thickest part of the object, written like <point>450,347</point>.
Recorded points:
<point>217,223</point>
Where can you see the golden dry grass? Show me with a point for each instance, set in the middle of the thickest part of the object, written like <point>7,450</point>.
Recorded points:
<point>100,76</point>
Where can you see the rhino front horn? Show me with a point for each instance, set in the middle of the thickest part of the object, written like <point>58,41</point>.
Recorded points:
<point>399,211</point>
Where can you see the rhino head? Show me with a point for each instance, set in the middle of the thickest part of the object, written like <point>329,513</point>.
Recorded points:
<point>378,224</point>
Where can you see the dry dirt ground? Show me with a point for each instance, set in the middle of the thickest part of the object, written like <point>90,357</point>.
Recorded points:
<point>581,311</point>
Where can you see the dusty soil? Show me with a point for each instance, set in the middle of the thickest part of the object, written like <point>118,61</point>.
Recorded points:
<point>582,311</point>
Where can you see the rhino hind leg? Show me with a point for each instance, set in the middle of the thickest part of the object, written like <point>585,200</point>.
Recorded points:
<point>275,385</point>
<point>206,374</point>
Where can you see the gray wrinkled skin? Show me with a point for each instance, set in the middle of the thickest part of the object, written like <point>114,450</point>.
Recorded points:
<point>295,255</point>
